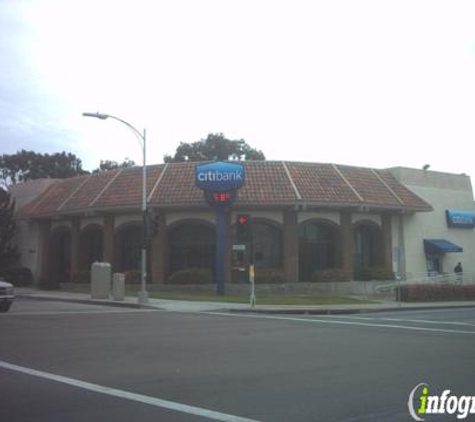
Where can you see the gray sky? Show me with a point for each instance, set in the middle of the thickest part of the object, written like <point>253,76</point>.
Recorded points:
<point>370,83</point>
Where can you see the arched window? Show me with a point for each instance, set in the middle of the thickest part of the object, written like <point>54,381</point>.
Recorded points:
<point>91,246</point>
<point>267,245</point>
<point>318,248</point>
<point>128,248</point>
<point>368,246</point>
<point>192,245</point>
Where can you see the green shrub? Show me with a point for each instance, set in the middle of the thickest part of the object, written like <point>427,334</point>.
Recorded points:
<point>331,275</point>
<point>375,273</point>
<point>48,284</point>
<point>20,276</point>
<point>430,292</point>
<point>133,277</point>
<point>267,275</point>
<point>192,276</point>
<point>81,277</point>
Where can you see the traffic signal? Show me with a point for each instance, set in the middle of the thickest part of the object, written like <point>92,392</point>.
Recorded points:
<point>243,227</point>
<point>152,224</point>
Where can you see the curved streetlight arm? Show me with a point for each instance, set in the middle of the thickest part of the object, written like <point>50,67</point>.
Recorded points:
<point>104,116</point>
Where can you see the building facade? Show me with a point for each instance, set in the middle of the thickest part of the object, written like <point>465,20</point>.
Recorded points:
<point>310,222</point>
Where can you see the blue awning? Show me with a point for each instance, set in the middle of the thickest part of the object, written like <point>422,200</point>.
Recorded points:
<point>440,246</point>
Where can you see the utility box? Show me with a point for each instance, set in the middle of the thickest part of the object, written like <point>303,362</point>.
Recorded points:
<point>118,286</point>
<point>100,280</point>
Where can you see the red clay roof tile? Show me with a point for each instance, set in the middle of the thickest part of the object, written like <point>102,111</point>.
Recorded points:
<point>267,183</point>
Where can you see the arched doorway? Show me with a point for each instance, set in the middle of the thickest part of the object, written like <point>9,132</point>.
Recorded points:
<point>60,255</point>
<point>192,245</point>
<point>318,248</point>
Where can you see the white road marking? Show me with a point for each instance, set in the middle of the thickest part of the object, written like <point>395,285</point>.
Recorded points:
<point>95,312</point>
<point>420,321</point>
<point>342,322</point>
<point>165,404</point>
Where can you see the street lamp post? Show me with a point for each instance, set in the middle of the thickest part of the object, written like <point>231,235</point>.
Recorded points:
<point>143,295</point>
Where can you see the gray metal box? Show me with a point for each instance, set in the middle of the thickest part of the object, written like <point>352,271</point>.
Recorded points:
<point>118,286</point>
<point>100,280</point>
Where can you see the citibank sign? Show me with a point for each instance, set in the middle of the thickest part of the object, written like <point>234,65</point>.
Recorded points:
<point>463,219</point>
<point>219,176</point>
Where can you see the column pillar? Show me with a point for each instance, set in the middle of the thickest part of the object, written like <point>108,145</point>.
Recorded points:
<point>74,264</point>
<point>44,272</point>
<point>159,253</point>
<point>387,242</point>
<point>108,241</point>
<point>291,246</point>
<point>228,251</point>
<point>347,246</point>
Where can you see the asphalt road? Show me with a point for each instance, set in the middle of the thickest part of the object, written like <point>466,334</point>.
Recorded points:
<point>69,362</point>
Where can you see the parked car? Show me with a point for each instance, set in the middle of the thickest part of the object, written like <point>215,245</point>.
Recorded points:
<point>6,296</point>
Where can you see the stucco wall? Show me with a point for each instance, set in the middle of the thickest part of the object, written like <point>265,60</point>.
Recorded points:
<point>444,192</point>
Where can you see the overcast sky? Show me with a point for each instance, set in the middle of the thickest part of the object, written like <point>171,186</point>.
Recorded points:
<point>369,83</point>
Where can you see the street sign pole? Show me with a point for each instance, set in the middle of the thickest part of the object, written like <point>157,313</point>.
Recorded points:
<point>252,273</point>
<point>253,286</point>
<point>220,249</point>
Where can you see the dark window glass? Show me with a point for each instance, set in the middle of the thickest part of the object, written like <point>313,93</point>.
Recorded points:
<point>367,241</point>
<point>91,247</point>
<point>267,245</point>
<point>128,249</point>
<point>192,246</point>
<point>318,245</point>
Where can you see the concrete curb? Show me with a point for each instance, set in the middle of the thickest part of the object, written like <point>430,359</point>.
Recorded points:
<point>265,311</point>
<point>99,302</point>
<point>339,311</point>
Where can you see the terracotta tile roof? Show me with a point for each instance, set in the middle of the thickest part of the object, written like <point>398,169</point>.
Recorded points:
<point>49,201</point>
<point>267,183</point>
<point>321,183</point>
<point>126,188</point>
<point>177,187</point>
<point>409,198</point>
<point>369,186</point>
<point>88,191</point>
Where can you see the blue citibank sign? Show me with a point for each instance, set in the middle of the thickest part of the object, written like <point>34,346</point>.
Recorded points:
<point>219,177</point>
<point>463,219</point>
<point>220,182</point>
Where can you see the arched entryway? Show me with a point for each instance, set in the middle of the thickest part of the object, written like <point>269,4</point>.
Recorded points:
<point>60,255</point>
<point>319,248</point>
<point>192,245</point>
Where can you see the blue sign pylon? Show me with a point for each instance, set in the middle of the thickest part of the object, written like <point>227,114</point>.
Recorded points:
<point>220,182</point>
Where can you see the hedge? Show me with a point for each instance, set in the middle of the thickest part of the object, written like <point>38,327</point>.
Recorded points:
<point>269,275</point>
<point>430,292</point>
<point>20,276</point>
<point>375,273</point>
<point>331,275</point>
<point>192,276</point>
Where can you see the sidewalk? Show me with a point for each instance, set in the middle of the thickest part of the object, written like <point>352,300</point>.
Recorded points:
<point>197,306</point>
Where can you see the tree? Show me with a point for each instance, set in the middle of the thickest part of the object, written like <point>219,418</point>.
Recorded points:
<point>112,165</point>
<point>28,165</point>
<point>8,252</point>
<point>214,147</point>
